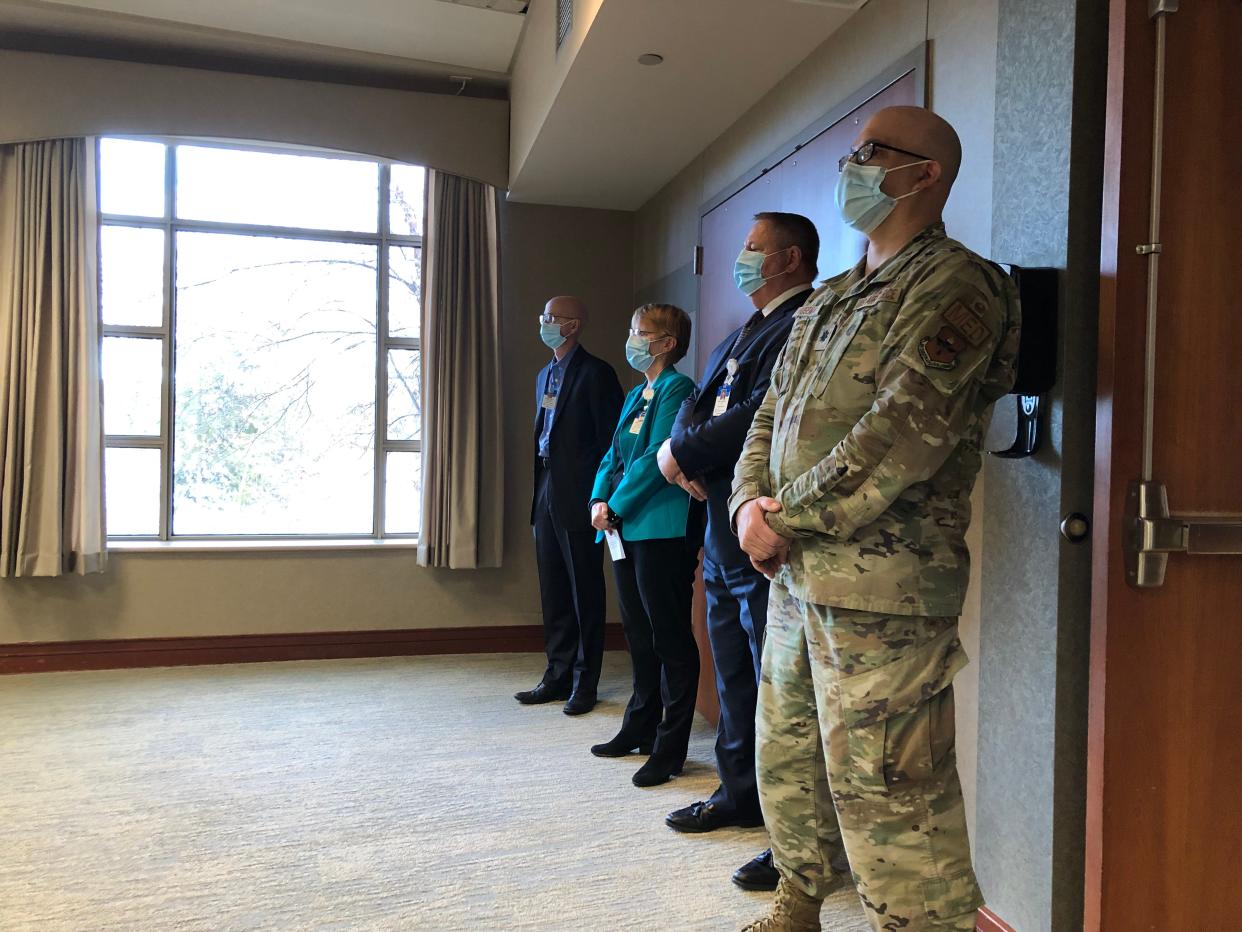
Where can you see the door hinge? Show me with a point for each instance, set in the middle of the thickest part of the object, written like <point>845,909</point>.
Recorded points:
<point>1151,534</point>
<point>698,260</point>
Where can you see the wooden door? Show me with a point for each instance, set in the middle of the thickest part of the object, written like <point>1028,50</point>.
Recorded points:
<point>1164,830</point>
<point>802,181</point>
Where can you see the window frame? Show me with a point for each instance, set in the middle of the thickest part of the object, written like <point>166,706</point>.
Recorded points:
<point>383,240</point>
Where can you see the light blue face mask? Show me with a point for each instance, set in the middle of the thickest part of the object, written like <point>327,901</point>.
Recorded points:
<point>637,354</point>
<point>862,204</point>
<point>550,333</point>
<point>746,270</point>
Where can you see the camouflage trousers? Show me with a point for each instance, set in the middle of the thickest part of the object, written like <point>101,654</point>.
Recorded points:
<point>875,690</point>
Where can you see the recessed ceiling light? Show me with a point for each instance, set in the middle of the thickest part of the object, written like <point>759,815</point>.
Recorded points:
<point>651,58</point>
<point>500,6</point>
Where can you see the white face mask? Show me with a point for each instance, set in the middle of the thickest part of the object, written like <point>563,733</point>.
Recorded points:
<point>748,270</point>
<point>638,352</point>
<point>862,204</point>
<point>550,333</point>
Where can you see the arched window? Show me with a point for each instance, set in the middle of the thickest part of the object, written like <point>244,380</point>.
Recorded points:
<point>261,341</point>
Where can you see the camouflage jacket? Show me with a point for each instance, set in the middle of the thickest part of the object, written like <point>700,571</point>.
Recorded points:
<point>870,433</point>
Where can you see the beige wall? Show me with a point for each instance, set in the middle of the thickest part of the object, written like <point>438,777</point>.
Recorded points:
<point>45,96</point>
<point>546,251</point>
<point>961,87</point>
<point>539,70</point>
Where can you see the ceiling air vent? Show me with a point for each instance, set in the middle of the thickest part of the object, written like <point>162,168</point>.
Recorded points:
<point>500,6</point>
<point>564,21</point>
<point>839,4</point>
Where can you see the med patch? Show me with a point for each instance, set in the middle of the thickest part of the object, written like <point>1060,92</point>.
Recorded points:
<point>968,323</point>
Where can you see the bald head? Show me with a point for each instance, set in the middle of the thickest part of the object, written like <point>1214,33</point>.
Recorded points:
<point>917,130</point>
<point>566,307</point>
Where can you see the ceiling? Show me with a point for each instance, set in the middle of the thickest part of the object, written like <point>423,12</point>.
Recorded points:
<point>612,133</point>
<point>618,131</point>
<point>415,37</point>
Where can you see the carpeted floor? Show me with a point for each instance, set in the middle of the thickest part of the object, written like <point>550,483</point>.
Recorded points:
<point>390,794</point>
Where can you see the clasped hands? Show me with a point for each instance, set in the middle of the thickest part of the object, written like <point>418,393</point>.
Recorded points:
<point>768,551</point>
<point>671,470</point>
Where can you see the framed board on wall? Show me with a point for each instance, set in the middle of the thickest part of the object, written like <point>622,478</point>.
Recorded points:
<point>798,177</point>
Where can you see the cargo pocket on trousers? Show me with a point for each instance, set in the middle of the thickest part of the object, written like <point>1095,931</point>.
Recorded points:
<point>952,897</point>
<point>898,717</point>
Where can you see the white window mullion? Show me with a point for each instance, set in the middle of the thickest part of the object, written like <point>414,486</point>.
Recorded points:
<point>381,355</point>
<point>170,324</point>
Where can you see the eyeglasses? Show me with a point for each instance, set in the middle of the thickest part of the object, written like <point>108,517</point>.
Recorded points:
<point>864,153</point>
<point>546,318</point>
<point>635,332</point>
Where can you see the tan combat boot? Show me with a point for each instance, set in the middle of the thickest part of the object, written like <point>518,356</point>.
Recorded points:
<point>792,911</point>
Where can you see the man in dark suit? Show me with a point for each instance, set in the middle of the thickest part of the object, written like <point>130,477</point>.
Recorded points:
<point>578,401</point>
<point>775,270</point>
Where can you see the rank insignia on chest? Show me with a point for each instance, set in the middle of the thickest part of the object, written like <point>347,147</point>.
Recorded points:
<point>941,351</point>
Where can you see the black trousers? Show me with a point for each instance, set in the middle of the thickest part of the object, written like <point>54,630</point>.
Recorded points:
<point>655,586</point>
<point>737,612</point>
<point>571,586</point>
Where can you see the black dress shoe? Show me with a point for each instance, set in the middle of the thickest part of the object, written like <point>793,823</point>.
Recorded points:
<point>544,692</point>
<point>758,873</point>
<point>620,746</point>
<point>580,704</point>
<point>657,770</point>
<point>707,817</point>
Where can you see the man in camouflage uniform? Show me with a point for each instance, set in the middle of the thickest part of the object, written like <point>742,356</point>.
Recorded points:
<point>853,493</point>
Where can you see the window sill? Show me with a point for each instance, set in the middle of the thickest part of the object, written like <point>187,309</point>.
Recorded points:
<point>259,546</point>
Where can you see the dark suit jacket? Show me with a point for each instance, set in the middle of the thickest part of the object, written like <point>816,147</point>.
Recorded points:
<point>587,409</point>
<point>708,447</point>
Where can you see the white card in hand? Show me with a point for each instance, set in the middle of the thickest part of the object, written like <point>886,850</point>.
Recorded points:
<point>616,549</point>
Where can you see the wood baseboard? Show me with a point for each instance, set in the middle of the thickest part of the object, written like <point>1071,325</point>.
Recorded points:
<point>115,654</point>
<point>988,921</point>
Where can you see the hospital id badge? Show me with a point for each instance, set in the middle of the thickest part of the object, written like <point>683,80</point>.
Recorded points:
<point>637,424</point>
<point>722,400</point>
<point>616,549</point>
<point>549,401</point>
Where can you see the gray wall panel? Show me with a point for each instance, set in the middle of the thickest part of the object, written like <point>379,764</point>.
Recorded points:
<point>1036,591</point>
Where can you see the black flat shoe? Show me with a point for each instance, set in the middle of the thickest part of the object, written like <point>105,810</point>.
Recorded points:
<point>541,694</point>
<point>620,746</point>
<point>759,873</point>
<point>655,772</point>
<point>707,817</point>
<point>579,704</point>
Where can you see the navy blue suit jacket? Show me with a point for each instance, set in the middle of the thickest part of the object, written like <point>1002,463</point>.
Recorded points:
<point>587,408</point>
<point>707,447</point>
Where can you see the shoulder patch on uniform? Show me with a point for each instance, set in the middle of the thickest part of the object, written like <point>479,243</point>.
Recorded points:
<point>968,323</point>
<point>940,351</point>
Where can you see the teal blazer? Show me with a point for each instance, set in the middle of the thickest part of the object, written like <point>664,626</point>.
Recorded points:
<point>649,507</point>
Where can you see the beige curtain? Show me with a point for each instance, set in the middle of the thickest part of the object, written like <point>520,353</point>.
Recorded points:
<point>462,449</point>
<point>51,416</point>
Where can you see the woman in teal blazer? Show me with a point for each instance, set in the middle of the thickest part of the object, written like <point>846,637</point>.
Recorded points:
<point>655,579</point>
